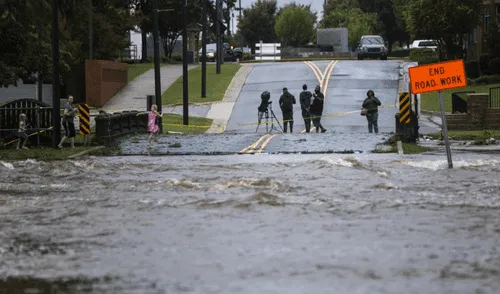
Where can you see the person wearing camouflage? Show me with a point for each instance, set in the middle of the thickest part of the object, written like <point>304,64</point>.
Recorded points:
<point>317,109</point>
<point>287,100</point>
<point>372,103</point>
<point>305,105</point>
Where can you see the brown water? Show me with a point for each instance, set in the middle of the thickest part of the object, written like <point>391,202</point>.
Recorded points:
<point>251,224</point>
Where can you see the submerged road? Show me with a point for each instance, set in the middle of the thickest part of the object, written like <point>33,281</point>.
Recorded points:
<point>294,224</point>
<point>344,84</point>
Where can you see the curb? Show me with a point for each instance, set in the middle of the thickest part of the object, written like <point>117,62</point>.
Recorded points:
<point>86,152</point>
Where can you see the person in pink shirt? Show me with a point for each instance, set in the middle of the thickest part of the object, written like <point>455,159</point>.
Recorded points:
<point>152,123</point>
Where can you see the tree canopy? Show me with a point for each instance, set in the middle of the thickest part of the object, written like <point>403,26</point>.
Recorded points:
<point>258,22</point>
<point>447,21</point>
<point>295,25</point>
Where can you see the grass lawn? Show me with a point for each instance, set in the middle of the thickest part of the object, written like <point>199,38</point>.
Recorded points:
<point>430,101</point>
<point>174,123</point>
<point>137,69</point>
<point>408,148</point>
<point>41,153</point>
<point>469,135</point>
<point>216,85</point>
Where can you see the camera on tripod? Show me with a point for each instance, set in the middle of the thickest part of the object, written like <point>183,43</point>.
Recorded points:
<point>266,112</point>
<point>264,97</point>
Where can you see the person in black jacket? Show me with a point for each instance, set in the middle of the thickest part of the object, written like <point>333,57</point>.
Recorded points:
<point>318,101</point>
<point>372,103</point>
<point>305,105</point>
<point>287,100</point>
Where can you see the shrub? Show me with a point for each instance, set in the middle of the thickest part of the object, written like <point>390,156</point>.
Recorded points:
<point>494,66</point>
<point>472,69</point>
<point>484,61</point>
<point>400,53</point>
<point>484,80</point>
<point>423,56</point>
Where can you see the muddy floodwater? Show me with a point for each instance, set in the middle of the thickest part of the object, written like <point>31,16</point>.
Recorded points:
<point>337,223</point>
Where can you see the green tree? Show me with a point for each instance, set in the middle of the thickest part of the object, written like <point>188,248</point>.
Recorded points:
<point>295,26</point>
<point>25,30</point>
<point>171,25</point>
<point>355,20</point>
<point>447,21</point>
<point>492,38</point>
<point>258,22</point>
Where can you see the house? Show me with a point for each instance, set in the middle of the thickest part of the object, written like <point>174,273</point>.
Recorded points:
<point>477,44</point>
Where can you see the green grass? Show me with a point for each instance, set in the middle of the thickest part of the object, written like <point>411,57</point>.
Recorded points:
<point>408,148</point>
<point>174,123</point>
<point>216,85</point>
<point>430,101</point>
<point>469,135</point>
<point>414,148</point>
<point>135,70</point>
<point>42,153</point>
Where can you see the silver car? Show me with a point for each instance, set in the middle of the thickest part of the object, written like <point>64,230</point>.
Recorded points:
<point>372,46</point>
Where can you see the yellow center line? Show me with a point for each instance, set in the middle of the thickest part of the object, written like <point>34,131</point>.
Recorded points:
<point>325,81</point>
<point>315,69</point>
<point>252,146</point>
<point>325,87</point>
<point>265,144</point>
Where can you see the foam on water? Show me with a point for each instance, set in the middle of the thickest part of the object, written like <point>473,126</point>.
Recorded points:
<point>443,164</point>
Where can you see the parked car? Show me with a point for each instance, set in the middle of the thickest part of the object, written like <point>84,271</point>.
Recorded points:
<point>431,44</point>
<point>372,46</point>
<point>211,52</point>
<point>230,54</point>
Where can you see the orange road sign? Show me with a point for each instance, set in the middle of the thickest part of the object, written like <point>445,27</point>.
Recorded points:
<point>437,76</point>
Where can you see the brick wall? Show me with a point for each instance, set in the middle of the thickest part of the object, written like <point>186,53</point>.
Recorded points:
<point>103,80</point>
<point>478,116</point>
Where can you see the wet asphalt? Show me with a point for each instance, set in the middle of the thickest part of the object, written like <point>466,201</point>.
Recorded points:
<point>345,84</point>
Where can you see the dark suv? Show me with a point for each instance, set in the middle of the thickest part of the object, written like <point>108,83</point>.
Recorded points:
<point>372,47</point>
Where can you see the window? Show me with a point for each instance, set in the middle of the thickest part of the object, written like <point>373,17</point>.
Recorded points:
<point>486,20</point>
<point>473,36</point>
<point>498,13</point>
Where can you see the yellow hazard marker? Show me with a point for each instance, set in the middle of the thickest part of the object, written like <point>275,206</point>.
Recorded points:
<point>404,107</point>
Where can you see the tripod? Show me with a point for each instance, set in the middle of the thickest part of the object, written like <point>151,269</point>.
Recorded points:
<point>272,117</point>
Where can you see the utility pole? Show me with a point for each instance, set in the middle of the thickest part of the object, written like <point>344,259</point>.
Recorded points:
<point>217,35</point>
<point>156,40</point>
<point>40,75</point>
<point>91,30</point>
<point>241,36</point>
<point>185,97</point>
<point>204,52</point>
<point>56,102</point>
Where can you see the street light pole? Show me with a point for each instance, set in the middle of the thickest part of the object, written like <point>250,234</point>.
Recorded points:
<point>204,52</point>
<point>156,40</point>
<point>185,97</point>
<point>56,103</point>
<point>217,35</point>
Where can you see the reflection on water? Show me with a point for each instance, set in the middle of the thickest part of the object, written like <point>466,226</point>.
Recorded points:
<point>251,224</point>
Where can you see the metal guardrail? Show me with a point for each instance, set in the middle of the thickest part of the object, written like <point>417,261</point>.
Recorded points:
<point>495,97</point>
<point>109,126</point>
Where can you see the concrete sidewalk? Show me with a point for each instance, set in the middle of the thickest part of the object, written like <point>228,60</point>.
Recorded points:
<point>133,95</point>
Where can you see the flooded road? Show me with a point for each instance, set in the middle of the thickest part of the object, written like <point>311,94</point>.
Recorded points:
<point>336,223</point>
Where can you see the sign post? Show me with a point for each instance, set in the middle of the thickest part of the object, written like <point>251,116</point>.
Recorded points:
<point>445,130</point>
<point>437,77</point>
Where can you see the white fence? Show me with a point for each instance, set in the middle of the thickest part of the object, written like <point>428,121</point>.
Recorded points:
<point>268,51</point>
